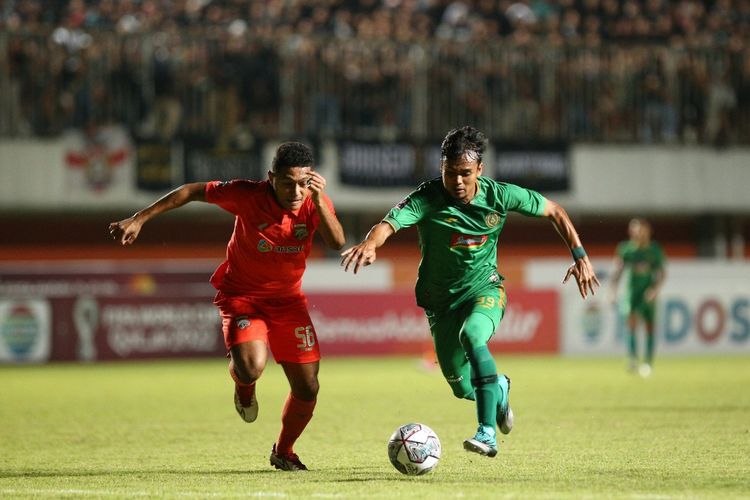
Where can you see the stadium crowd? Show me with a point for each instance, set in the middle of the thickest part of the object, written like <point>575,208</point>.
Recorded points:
<point>600,70</point>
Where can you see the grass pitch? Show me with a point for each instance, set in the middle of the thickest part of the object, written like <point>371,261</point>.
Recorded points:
<point>584,428</point>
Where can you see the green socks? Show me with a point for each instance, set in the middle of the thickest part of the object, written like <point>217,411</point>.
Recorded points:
<point>650,348</point>
<point>485,386</point>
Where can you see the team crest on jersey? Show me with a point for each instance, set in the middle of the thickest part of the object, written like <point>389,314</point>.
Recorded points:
<point>264,246</point>
<point>467,240</point>
<point>242,322</point>
<point>300,231</point>
<point>492,219</point>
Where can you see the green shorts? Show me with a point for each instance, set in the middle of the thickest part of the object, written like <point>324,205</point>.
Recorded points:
<point>638,305</point>
<point>446,328</point>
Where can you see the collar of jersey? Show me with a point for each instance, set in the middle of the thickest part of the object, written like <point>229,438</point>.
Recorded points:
<point>457,203</point>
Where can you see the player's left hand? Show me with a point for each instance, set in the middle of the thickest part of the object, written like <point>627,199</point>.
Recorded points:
<point>358,256</point>
<point>317,184</point>
<point>585,277</point>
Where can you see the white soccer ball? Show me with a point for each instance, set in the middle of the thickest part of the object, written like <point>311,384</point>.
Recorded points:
<point>414,449</point>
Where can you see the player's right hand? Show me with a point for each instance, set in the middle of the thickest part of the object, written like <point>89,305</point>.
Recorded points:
<point>358,255</point>
<point>125,230</point>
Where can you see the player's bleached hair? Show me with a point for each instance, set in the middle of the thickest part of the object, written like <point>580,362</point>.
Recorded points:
<point>463,142</point>
<point>641,221</point>
<point>292,154</point>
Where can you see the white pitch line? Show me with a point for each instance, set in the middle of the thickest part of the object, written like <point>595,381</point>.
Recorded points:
<point>81,492</point>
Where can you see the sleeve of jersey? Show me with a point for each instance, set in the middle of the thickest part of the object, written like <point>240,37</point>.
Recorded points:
<point>524,201</point>
<point>620,250</point>
<point>409,211</point>
<point>224,194</point>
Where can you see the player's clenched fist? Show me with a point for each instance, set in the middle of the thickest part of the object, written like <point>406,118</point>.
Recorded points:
<point>125,230</point>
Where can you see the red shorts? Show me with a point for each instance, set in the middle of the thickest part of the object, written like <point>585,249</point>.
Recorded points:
<point>283,324</point>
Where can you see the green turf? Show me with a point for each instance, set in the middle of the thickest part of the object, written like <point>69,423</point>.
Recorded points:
<point>584,429</point>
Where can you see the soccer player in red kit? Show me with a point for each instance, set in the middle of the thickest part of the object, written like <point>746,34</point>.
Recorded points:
<point>259,284</point>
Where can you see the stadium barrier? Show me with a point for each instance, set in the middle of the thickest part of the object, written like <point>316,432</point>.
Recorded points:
<point>369,88</point>
<point>148,309</point>
<point>703,309</point>
<point>108,172</point>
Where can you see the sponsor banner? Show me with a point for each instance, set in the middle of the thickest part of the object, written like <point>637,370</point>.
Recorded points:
<point>205,162</point>
<point>89,328</point>
<point>531,322</point>
<point>386,164</point>
<point>154,170</point>
<point>392,323</point>
<point>110,310</point>
<point>155,309</point>
<point>24,331</point>
<point>703,308</point>
<point>542,167</point>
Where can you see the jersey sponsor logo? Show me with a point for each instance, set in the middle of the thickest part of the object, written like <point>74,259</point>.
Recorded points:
<point>242,322</point>
<point>264,246</point>
<point>492,219</point>
<point>288,249</point>
<point>467,241</point>
<point>300,231</point>
<point>450,220</point>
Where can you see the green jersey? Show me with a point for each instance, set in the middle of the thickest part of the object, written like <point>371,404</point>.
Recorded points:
<point>642,263</point>
<point>458,241</point>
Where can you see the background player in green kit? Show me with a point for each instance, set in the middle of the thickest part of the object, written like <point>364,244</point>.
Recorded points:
<point>459,217</point>
<point>644,260</point>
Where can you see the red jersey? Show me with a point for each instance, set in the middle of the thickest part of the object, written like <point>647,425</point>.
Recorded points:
<point>269,246</point>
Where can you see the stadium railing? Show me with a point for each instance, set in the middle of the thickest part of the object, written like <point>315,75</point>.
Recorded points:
<point>235,88</point>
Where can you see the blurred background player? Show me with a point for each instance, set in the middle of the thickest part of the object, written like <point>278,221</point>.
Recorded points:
<point>259,284</point>
<point>459,217</point>
<point>644,260</point>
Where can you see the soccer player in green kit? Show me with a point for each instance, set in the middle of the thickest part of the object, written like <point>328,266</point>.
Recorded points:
<point>644,259</point>
<point>459,217</point>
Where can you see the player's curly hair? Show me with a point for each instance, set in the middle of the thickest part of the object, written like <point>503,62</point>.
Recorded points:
<point>292,154</point>
<point>459,141</point>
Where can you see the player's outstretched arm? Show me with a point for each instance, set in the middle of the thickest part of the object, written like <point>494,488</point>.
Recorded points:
<point>330,227</point>
<point>364,254</point>
<point>581,269</point>
<point>127,230</point>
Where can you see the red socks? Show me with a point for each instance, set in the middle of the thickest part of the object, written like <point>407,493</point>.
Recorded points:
<point>294,418</point>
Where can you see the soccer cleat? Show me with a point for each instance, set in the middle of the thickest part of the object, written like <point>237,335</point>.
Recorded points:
<point>247,409</point>
<point>290,461</point>
<point>483,442</point>
<point>504,412</point>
